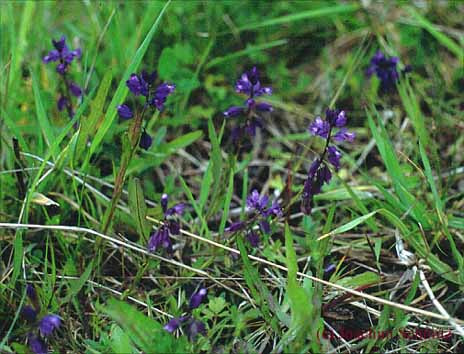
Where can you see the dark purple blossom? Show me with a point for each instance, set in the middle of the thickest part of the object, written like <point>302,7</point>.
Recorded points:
<point>197,298</point>
<point>137,85</point>
<point>62,54</point>
<point>37,345</point>
<point>75,89</point>
<point>30,292</point>
<point>125,112</point>
<point>29,313</point>
<point>62,103</point>
<point>235,226</point>
<point>173,324</point>
<point>48,324</point>
<point>249,85</point>
<point>386,70</point>
<point>161,94</point>
<point>253,237</point>
<point>319,172</point>
<point>145,140</point>
<point>161,237</point>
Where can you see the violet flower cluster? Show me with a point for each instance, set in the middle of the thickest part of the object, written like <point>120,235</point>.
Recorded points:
<point>64,57</point>
<point>43,327</point>
<point>332,129</point>
<point>262,214</point>
<point>386,69</point>
<point>155,97</point>
<point>249,85</point>
<point>191,327</point>
<point>161,237</point>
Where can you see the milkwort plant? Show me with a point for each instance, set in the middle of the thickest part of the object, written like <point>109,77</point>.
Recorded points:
<point>154,97</point>
<point>250,113</point>
<point>261,213</point>
<point>187,322</point>
<point>332,129</point>
<point>64,57</point>
<point>161,238</point>
<point>386,69</point>
<point>40,330</point>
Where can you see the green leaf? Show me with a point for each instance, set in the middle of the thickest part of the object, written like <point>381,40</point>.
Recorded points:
<point>120,341</point>
<point>138,208</point>
<point>147,334</point>
<point>76,285</point>
<point>88,125</point>
<point>45,126</point>
<point>184,140</point>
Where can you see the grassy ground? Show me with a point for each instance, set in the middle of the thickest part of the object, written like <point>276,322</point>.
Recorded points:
<point>377,265</point>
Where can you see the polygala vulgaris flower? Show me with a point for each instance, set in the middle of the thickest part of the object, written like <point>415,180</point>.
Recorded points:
<point>386,69</point>
<point>48,324</point>
<point>330,128</point>
<point>161,237</point>
<point>37,345</point>
<point>155,97</point>
<point>262,210</point>
<point>249,85</point>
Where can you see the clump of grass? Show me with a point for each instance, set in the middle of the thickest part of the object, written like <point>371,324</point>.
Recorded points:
<point>275,237</point>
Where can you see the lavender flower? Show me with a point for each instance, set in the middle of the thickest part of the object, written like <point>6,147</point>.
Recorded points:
<point>49,324</point>
<point>161,237</point>
<point>29,313</point>
<point>249,84</point>
<point>155,97</point>
<point>262,211</point>
<point>319,172</point>
<point>386,70</point>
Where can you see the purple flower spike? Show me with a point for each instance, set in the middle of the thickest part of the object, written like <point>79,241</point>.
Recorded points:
<point>340,121</point>
<point>75,89</point>
<point>52,55</point>
<point>386,70</point>
<point>59,44</point>
<point>37,345</point>
<point>125,112</point>
<point>145,141</point>
<point>197,298</point>
<point>48,324</point>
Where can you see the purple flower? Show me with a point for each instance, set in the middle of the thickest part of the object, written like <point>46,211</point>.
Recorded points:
<point>75,89</point>
<point>334,156</point>
<point>197,298</point>
<point>172,325</point>
<point>29,313</point>
<point>137,85</point>
<point>344,135</point>
<point>150,78</point>
<point>37,345</point>
<point>160,239</point>
<point>234,111</point>
<point>318,175</point>
<point>236,226</point>
<point>125,112</point>
<point>249,85</point>
<point>30,292</point>
<point>177,209</point>
<point>254,201</point>
<point>161,94</point>
<point>253,237</point>
<point>62,54</point>
<point>319,127</point>
<point>62,103</point>
<point>164,202</point>
<point>386,70</point>
<point>48,324</point>
<point>145,141</point>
